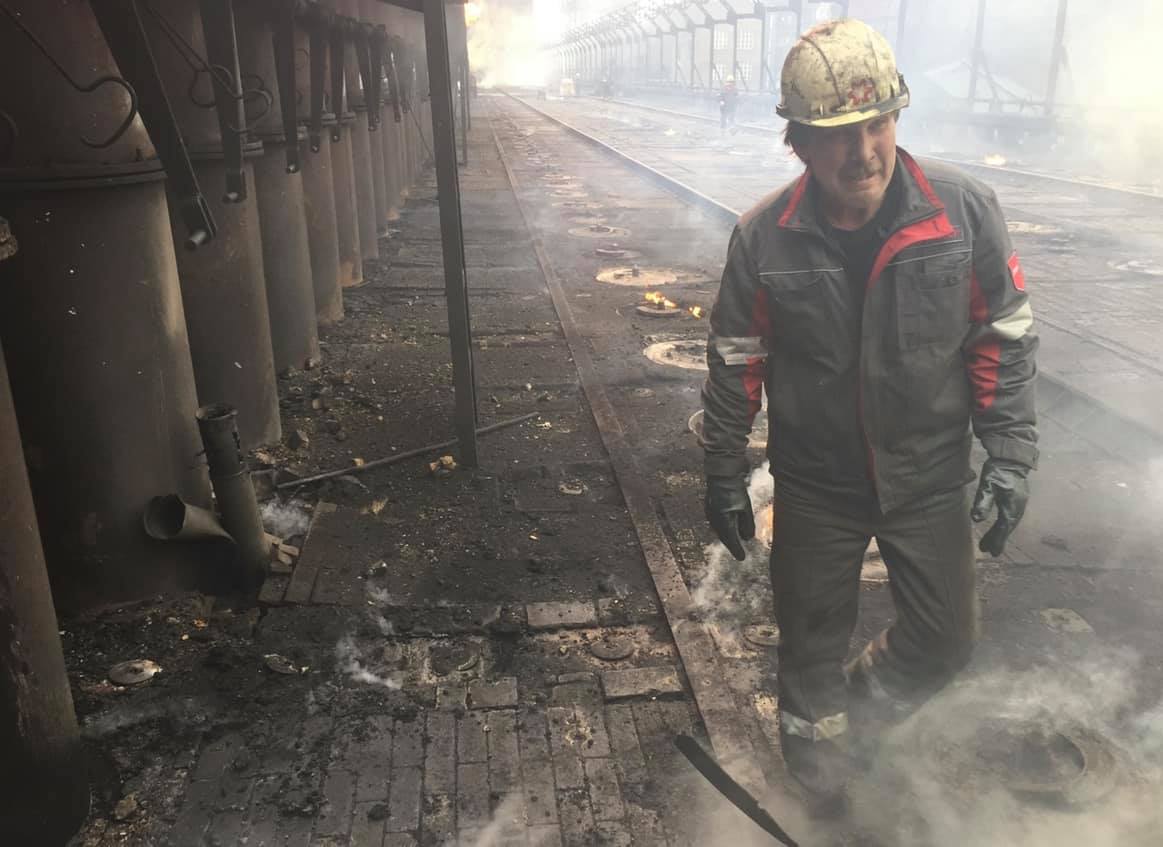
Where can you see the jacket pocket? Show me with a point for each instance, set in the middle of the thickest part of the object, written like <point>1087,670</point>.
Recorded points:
<point>809,313</point>
<point>933,300</point>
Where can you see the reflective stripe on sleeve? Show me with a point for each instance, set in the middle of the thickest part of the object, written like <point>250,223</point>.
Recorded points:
<point>739,351</point>
<point>832,726</point>
<point>1014,325</point>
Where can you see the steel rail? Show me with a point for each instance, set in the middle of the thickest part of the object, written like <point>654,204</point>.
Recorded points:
<point>757,129</point>
<point>717,210</point>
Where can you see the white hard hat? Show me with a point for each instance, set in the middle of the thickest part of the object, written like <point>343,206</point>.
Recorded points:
<point>840,72</point>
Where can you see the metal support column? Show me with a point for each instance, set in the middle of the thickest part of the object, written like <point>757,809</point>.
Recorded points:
<point>733,20</point>
<point>902,14</point>
<point>975,61</point>
<point>762,14</point>
<point>1057,56</point>
<point>451,234</point>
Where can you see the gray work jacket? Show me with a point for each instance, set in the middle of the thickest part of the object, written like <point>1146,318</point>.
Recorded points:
<point>940,341</point>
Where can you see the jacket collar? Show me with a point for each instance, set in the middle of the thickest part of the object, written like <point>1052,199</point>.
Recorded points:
<point>918,200</point>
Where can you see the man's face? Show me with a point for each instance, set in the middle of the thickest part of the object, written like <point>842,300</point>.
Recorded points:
<point>853,164</point>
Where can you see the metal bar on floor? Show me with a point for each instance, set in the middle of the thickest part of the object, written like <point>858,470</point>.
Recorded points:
<point>451,232</point>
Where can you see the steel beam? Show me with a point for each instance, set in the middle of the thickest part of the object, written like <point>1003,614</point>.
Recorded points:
<point>451,234</point>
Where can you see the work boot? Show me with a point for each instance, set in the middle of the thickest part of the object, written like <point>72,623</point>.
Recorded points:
<point>823,768</point>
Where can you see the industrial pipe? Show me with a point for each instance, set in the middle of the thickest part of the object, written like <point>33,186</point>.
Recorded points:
<point>318,190</point>
<point>381,64</point>
<point>369,79</point>
<point>401,132</point>
<point>342,158</point>
<point>266,58</point>
<point>91,313</point>
<point>223,285</point>
<point>234,491</point>
<point>360,135</point>
<point>170,518</point>
<point>44,790</point>
<point>393,136</point>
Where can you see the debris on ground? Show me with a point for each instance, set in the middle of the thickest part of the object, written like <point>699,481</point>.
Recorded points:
<point>442,467</point>
<point>134,672</point>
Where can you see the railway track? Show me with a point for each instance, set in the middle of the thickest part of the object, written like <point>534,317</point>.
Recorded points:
<point>985,169</point>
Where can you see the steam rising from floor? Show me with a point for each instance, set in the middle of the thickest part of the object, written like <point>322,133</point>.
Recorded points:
<point>931,783</point>
<point>731,592</point>
<point>286,519</point>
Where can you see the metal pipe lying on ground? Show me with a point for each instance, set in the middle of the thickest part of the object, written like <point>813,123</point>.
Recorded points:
<point>408,454</point>
<point>235,492</point>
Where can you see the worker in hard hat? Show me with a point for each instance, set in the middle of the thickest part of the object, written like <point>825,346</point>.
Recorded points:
<point>879,303</point>
<point>728,101</point>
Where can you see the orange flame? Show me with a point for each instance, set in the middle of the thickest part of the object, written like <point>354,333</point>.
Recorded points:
<point>660,299</point>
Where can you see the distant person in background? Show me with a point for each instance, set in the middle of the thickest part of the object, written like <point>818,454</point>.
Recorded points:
<point>728,100</point>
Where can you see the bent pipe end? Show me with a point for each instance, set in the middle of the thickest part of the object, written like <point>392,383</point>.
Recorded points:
<point>168,517</point>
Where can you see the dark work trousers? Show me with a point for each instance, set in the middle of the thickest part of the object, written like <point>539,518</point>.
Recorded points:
<point>816,559</point>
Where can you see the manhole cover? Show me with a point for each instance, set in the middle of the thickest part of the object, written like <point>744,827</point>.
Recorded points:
<point>578,205</point>
<point>1028,228</point>
<point>659,310</point>
<point>612,648</point>
<point>134,672</point>
<point>757,438</point>
<point>449,658</point>
<point>643,392</point>
<point>688,354</point>
<point>1034,759</point>
<point>634,275</point>
<point>1139,266</point>
<point>762,634</point>
<point>612,251</point>
<point>598,230</point>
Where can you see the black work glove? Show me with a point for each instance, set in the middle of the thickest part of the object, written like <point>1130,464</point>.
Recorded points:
<point>729,512</point>
<point>1002,484</point>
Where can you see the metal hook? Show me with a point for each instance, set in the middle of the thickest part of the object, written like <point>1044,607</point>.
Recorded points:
<point>83,89</point>
<point>201,104</point>
<point>248,94</point>
<point>124,127</point>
